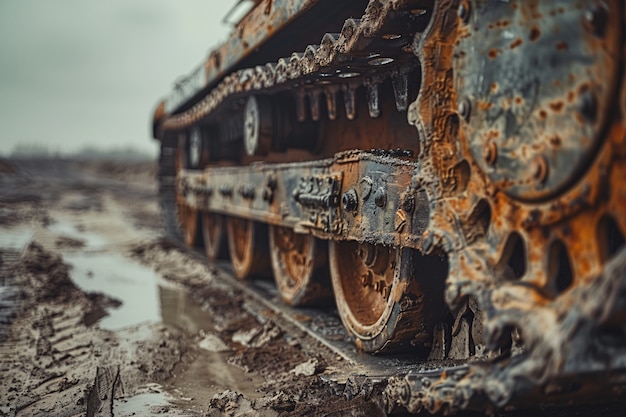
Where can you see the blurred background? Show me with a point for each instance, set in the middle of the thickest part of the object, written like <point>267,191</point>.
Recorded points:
<point>84,75</point>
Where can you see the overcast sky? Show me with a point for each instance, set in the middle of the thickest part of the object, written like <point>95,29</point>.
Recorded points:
<point>77,73</point>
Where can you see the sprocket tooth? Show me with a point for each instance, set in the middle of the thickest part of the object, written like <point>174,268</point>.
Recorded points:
<point>282,68</point>
<point>309,63</point>
<point>294,65</point>
<point>350,26</point>
<point>327,48</point>
<point>268,78</point>
<point>257,82</point>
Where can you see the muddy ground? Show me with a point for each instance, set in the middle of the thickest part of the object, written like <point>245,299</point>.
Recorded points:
<point>102,315</point>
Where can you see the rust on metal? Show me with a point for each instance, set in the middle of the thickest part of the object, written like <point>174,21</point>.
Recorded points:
<point>458,164</point>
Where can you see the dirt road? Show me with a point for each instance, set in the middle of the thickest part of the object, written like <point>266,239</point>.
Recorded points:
<point>101,315</point>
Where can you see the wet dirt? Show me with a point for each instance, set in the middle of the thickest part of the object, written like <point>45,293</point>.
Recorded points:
<point>101,315</point>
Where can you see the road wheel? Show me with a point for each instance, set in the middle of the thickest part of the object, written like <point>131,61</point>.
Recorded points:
<point>382,304</point>
<point>295,260</point>
<point>247,247</point>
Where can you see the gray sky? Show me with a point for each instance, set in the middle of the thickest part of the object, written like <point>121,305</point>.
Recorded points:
<point>76,73</point>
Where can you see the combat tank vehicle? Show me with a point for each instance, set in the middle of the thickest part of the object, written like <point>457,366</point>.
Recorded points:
<point>457,168</point>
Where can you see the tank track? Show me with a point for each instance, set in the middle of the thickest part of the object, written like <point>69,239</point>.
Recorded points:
<point>537,266</point>
<point>365,52</point>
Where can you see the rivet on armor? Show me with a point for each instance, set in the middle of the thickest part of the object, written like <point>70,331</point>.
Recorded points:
<point>465,109</point>
<point>226,190</point>
<point>380,197</point>
<point>350,200</point>
<point>271,181</point>
<point>247,191</point>
<point>490,153</point>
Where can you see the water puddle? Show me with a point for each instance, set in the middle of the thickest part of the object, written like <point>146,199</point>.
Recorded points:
<point>16,237</point>
<point>152,402</point>
<point>147,298</point>
<point>92,241</point>
<point>135,285</point>
<point>209,373</point>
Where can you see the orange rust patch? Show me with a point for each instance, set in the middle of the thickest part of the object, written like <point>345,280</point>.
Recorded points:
<point>517,42</point>
<point>556,106</point>
<point>561,46</point>
<point>570,96</point>
<point>493,53</point>
<point>543,114</point>
<point>535,33</point>
<point>492,134</point>
<point>494,87</point>
<point>556,141</point>
<point>518,100</point>
<point>484,105</point>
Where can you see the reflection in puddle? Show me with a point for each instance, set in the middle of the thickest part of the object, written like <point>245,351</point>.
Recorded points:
<point>209,373</point>
<point>153,402</point>
<point>118,277</point>
<point>146,297</point>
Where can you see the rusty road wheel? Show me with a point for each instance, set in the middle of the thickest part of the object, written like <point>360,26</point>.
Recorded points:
<point>213,234</point>
<point>295,260</point>
<point>241,245</point>
<point>247,246</point>
<point>381,303</point>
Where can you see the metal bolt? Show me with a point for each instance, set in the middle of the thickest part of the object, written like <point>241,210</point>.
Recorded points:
<point>464,11</point>
<point>247,191</point>
<point>226,190</point>
<point>490,153</point>
<point>465,109</point>
<point>380,197</point>
<point>268,195</point>
<point>272,182</point>
<point>595,19</point>
<point>539,169</point>
<point>350,200</point>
